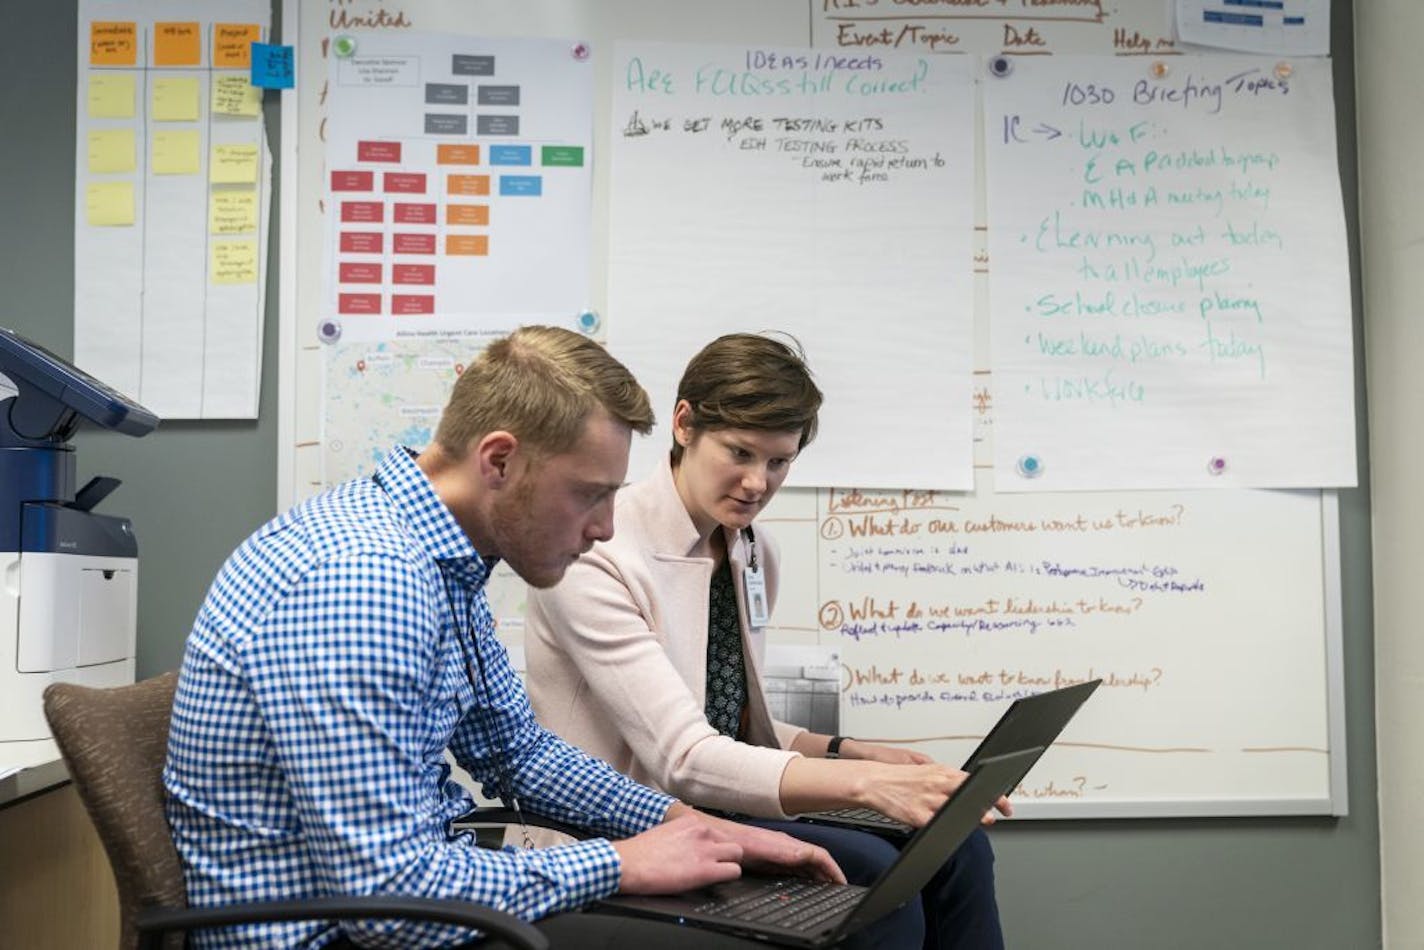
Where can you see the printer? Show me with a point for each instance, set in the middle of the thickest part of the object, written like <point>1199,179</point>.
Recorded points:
<point>68,575</point>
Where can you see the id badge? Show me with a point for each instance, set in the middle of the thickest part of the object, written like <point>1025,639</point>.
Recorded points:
<point>754,586</point>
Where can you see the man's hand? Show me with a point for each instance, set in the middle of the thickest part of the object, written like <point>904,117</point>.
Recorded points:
<point>678,855</point>
<point>771,852</point>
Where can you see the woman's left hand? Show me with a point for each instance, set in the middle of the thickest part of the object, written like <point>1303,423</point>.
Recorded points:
<point>870,751</point>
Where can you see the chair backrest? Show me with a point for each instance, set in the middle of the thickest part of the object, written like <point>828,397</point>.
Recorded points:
<point>114,742</point>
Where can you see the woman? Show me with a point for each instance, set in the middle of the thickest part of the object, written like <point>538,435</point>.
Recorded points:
<point>649,653</point>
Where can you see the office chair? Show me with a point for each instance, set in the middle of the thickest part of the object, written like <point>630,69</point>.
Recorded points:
<point>114,742</point>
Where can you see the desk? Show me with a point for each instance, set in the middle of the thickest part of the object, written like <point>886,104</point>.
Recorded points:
<point>56,889</point>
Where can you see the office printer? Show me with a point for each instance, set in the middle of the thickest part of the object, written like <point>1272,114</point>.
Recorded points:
<point>68,575</point>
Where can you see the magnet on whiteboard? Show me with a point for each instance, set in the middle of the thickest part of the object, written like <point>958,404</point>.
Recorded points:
<point>328,330</point>
<point>1030,466</point>
<point>1284,70</point>
<point>588,322</point>
<point>1159,70</point>
<point>343,46</point>
<point>1216,465</point>
<point>1000,66</point>
<point>579,51</point>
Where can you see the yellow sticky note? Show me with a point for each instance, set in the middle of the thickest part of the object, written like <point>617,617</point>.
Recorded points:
<point>113,43</point>
<point>233,262</point>
<point>175,152</point>
<point>111,150</point>
<point>235,95</point>
<point>232,212</point>
<point>109,204</point>
<point>233,165</point>
<point>111,96</point>
<point>175,99</point>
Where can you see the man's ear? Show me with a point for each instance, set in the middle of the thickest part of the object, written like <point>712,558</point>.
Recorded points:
<point>494,456</point>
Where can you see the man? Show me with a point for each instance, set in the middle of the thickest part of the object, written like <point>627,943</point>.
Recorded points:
<point>348,643</point>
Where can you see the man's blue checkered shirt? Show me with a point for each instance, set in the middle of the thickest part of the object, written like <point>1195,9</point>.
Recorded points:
<point>323,681</point>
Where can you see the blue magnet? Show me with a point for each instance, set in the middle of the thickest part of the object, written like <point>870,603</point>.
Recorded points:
<point>1000,66</point>
<point>1216,465</point>
<point>328,330</point>
<point>1030,466</point>
<point>588,322</point>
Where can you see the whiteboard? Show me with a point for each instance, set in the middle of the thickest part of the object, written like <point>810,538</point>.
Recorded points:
<point>1215,616</point>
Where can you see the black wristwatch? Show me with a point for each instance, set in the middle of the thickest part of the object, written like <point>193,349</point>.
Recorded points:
<point>833,748</point>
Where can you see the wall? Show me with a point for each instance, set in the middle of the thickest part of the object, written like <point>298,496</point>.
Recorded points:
<point>1392,236</point>
<point>194,489</point>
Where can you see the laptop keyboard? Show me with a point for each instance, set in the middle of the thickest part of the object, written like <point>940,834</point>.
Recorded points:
<point>867,815</point>
<point>794,904</point>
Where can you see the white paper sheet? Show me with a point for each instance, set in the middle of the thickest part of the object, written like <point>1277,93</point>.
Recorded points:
<point>153,316</point>
<point>1291,27</point>
<point>1169,296</point>
<point>822,194</point>
<point>459,185</point>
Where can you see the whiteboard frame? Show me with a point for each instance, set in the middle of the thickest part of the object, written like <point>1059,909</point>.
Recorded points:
<point>1336,804</point>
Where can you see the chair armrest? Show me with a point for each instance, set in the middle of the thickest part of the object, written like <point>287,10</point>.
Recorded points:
<point>499,815</point>
<point>155,921</point>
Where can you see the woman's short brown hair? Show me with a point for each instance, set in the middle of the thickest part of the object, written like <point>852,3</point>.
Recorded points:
<point>540,384</point>
<point>749,381</point>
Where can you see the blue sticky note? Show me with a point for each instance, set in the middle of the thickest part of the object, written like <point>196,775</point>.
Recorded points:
<point>273,67</point>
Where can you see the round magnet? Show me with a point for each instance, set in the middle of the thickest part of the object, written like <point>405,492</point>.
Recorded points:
<point>343,46</point>
<point>579,51</point>
<point>588,322</point>
<point>1159,70</point>
<point>1000,66</point>
<point>1030,466</point>
<point>328,330</point>
<point>1216,465</point>
<point>1284,70</point>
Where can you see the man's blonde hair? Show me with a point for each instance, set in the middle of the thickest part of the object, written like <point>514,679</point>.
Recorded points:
<point>540,384</point>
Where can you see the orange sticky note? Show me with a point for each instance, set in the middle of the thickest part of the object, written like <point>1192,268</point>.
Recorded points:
<point>177,44</point>
<point>457,154</point>
<point>467,214</point>
<point>467,244</point>
<point>467,185</point>
<point>232,44</point>
<point>113,43</point>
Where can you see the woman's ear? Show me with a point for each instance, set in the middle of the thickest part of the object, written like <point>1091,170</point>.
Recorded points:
<point>682,423</point>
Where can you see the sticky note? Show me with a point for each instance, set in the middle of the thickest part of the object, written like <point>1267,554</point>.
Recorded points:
<point>176,152</point>
<point>111,150</point>
<point>233,165</point>
<point>234,95</point>
<point>232,212</point>
<point>273,67</point>
<point>177,44</point>
<point>232,44</point>
<point>233,262</point>
<point>113,43</point>
<point>109,204</point>
<point>175,99</point>
<point>111,96</point>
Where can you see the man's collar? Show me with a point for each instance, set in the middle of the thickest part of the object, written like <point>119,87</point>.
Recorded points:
<point>426,516</point>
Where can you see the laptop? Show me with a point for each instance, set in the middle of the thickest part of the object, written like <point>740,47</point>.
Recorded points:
<point>1028,722</point>
<point>806,913</point>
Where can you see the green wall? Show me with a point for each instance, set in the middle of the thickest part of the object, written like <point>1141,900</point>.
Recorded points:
<point>195,489</point>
